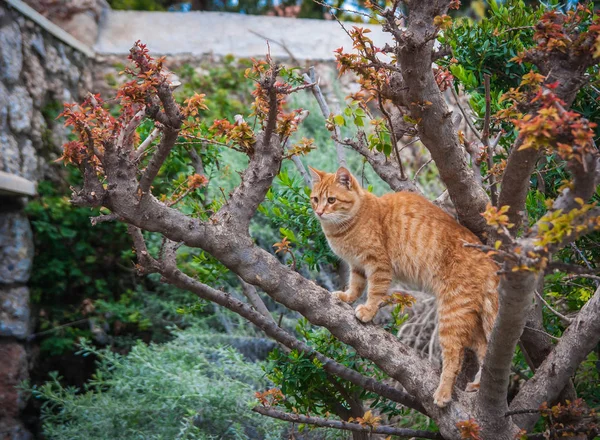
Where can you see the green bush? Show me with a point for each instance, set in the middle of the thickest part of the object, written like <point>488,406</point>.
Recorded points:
<point>187,388</point>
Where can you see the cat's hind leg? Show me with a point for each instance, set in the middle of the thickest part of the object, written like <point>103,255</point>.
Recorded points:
<point>479,345</point>
<point>456,323</point>
<point>452,358</point>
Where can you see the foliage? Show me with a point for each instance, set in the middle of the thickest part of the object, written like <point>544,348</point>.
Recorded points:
<point>308,389</point>
<point>287,208</point>
<point>187,388</point>
<point>139,5</point>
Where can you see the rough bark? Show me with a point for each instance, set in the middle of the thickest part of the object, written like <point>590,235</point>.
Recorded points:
<point>413,88</point>
<point>555,372</point>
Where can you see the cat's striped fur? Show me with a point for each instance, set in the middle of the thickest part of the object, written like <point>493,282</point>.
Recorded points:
<point>403,236</point>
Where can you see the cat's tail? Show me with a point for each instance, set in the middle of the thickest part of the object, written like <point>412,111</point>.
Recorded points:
<point>490,307</point>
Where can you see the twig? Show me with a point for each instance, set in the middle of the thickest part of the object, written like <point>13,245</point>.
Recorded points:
<point>485,139</point>
<point>299,166</point>
<point>420,168</point>
<point>553,310</point>
<point>279,43</point>
<point>178,199</point>
<point>256,301</point>
<point>103,218</point>
<point>584,275</point>
<point>338,424</point>
<point>393,137</point>
<point>53,329</point>
<point>325,110</point>
<point>585,260</point>
<point>462,110</point>
<point>570,268</point>
<point>347,11</point>
<point>206,140</point>
<point>141,150</point>
<point>521,411</point>
<point>542,332</point>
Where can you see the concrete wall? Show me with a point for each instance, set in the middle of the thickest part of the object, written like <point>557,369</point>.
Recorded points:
<point>38,71</point>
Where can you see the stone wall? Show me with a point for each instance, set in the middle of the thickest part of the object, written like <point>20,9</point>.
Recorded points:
<point>38,71</point>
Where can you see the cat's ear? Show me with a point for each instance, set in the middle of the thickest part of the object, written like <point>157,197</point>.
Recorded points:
<point>344,177</point>
<point>317,175</point>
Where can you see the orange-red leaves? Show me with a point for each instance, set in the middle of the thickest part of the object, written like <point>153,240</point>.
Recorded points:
<point>270,397</point>
<point>196,181</point>
<point>282,246</point>
<point>497,217</point>
<point>368,419</point>
<point>194,104</point>
<point>442,21</point>
<point>73,152</point>
<point>239,133</point>
<point>469,429</point>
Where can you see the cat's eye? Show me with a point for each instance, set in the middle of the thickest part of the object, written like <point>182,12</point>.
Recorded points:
<point>331,200</point>
<point>315,199</point>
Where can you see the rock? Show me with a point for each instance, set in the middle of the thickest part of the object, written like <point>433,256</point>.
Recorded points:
<point>16,248</point>
<point>14,312</point>
<point>20,109</point>
<point>29,164</point>
<point>37,44</point>
<point>3,107</point>
<point>35,78</point>
<point>11,53</point>
<point>9,159</point>
<point>13,370</point>
<point>52,60</point>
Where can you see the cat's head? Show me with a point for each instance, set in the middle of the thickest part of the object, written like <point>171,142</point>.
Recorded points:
<point>335,197</point>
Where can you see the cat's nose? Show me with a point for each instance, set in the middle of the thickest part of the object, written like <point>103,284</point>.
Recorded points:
<point>319,213</point>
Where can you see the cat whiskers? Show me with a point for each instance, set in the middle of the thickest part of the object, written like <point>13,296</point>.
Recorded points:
<point>341,221</point>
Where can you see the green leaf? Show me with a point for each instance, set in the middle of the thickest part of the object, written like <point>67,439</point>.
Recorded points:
<point>339,120</point>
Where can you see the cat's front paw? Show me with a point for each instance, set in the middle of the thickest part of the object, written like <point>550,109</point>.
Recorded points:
<point>344,296</point>
<point>442,397</point>
<point>365,313</point>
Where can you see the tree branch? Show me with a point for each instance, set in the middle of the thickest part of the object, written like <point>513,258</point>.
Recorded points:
<point>435,125</point>
<point>551,377</point>
<point>339,424</point>
<point>316,90</point>
<point>250,292</point>
<point>386,169</point>
<point>174,276</point>
<point>263,166</point>
<point>515,297</point>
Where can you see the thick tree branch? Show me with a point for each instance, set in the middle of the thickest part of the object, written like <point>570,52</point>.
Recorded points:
<point>167,142</point>
<point>435,126</point>
<point>263,166</point>
<point>515,299</point>
<point>551,377</point>
<point>174,276</point>
<point>339,424</point>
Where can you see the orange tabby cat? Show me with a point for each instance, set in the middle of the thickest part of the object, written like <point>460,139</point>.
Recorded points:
<point>403,236</point>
